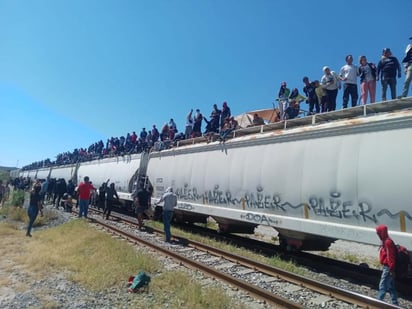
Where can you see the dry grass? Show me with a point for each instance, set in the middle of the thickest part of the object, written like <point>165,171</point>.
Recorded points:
<point>10,251</point>
<point>189,294</point>
<point>98,262</point>
<point>92,258</point>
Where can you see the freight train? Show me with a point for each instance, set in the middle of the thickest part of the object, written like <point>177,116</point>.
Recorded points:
<point>314,179</point>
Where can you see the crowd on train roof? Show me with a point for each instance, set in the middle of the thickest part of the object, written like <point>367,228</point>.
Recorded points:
<point>320,95</point>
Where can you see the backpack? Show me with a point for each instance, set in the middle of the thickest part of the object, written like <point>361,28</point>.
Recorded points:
<point>138,281</point>
<point>402,261</point>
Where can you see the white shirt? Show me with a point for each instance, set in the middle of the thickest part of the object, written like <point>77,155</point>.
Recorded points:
<point>349,73</point>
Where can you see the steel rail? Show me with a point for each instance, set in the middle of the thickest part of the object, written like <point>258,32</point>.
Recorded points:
<point>332,291</point>
<point>257,292</point>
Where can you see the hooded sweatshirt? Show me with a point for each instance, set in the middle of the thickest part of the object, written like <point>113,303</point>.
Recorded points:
<point>387,252</point>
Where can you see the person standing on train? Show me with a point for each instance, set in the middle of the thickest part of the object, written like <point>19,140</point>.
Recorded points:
<point>348,74</point>
<point>84,191</point>
<point>407,62</point>
<point>387,68</point>
<point>197,124</point>
<point>330,83</point>
<point>387,257</point>
<point>225,114</point>
<point>170,202</point>
<point>367,73</point>
<point>283,96</point>
<point>111,196</point>
<point>189,124</point>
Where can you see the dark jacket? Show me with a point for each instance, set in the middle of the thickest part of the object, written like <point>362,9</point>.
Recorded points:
<point>111,194</point>
<point>388,66</point>
<point>387,252</point>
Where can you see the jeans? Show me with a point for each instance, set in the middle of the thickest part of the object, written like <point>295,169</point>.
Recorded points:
<point>32,212</point>
<point>283,105</point>
<point>352,90</point>
<point>108,209</point>
<point>314,104</point>
<point>391,81</point>
<point>83,208</point>
<point>407,82</point>
<point>331,99</point>
<point>167,218</point>
<point>387,284</point>
<point>225,133</point>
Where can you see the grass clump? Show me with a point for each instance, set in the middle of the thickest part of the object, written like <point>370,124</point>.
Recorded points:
<point>19,214</point>
<point>190,294</point>
<point>100,262</point>
<point>94,259</point>
<point>16,213</point>
<point>17,198</point>
<point>8,228</point>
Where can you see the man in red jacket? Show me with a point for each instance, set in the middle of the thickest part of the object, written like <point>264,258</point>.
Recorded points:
<point>387,257</point>
<point>83,191</point>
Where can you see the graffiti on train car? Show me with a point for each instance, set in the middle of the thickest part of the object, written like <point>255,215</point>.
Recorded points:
<point>332,206</point>
<point>215,196</point>
<point>185,206</point>
<point>260,219</point>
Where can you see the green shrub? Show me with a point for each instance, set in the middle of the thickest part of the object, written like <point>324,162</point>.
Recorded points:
<point>17,198</point>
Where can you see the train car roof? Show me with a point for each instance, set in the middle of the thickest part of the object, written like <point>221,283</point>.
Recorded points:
<point>363,114</point>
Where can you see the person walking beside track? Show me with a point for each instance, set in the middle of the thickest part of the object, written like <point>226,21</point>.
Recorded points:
<point>387,257</point>
<point>141,198</point>
<point>111,196</point>
<point>83,191</point>
<point>35,205</point>
<point>170,201</point>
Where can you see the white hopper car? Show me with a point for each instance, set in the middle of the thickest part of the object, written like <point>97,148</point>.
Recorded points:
<point>313,179</point>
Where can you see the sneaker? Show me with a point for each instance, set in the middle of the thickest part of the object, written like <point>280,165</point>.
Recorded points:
<point>28,235</point>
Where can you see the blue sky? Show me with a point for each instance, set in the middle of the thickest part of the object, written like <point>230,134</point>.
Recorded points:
<point>74,72</point>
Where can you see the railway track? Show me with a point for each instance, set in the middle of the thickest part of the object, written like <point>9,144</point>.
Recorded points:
<point>359,274</point>
<point>271,285</point>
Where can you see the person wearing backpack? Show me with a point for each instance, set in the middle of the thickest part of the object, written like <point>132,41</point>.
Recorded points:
<point>312,99</point>
<point>367,73</point>
<point>387,257</point>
